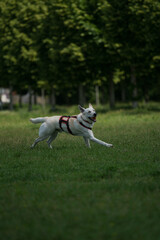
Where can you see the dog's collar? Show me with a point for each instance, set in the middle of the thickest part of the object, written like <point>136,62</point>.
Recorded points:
<point>84,125</point>
<point>81,122</point>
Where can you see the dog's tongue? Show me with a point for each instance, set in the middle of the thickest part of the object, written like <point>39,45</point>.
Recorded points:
<point>94,118</point>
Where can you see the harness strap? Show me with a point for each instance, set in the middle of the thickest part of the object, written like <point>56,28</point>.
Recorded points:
<point>68,128</point>
<point>62,120</point>
<point>66,121</point>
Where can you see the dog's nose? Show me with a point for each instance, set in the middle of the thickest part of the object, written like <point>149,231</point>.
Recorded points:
<point>95,114</point>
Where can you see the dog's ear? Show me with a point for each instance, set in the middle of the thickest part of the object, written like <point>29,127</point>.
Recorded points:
<point>81,108</point>
<point>90,105</point>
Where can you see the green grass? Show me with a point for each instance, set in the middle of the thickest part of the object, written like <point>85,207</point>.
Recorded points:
<point>72,192</point>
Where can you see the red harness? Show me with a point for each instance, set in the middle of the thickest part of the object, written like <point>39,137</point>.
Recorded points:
<point>65,120</point>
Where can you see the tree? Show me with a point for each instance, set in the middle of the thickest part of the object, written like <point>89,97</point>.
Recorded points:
<point>131,25</point>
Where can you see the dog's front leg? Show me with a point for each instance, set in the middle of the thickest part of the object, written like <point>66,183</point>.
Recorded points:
<point>87,142</point>
<point>92,138</point>
<point>100,142</point>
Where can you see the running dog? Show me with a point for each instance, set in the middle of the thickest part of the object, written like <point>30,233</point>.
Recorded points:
<point>78,125</point>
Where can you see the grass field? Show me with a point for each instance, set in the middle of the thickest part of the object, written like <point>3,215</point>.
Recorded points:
<point>75,193</point>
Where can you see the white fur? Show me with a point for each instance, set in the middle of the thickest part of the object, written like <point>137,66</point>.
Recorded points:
<point>50,127</point>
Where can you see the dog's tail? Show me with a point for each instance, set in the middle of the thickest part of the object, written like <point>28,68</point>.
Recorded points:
<point>38,120</point>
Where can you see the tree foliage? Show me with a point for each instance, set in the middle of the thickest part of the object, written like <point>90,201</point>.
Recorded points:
<point>60,45</point>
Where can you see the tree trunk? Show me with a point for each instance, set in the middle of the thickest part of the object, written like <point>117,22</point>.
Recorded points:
<point>97,95</point>
<point>11,98</point>
<point>43,98</point>
<point>146,94</point>
<point>20,100</point>
<point>111,92</point>
<point>30,99</point>
<point>81,94</point>
<point>123,92</point>
<point>1,104</point>
<point>134,85</point>
<point>53,100</point>
<point>35,98</point>
<point>104,92</point>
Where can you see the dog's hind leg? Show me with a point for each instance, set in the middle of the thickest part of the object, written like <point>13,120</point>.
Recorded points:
<point>87,142</point>
<point>39,139</point>
<point>52,137</point>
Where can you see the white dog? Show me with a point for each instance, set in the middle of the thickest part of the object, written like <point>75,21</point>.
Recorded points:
<point>79,125</point>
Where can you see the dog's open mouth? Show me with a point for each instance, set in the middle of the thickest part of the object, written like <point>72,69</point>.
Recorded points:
<point>93,119</point>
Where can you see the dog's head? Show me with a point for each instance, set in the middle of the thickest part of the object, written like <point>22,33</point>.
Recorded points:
<point>89,114</point>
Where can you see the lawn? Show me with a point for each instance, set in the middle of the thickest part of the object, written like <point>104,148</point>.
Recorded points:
<point>72,192</point>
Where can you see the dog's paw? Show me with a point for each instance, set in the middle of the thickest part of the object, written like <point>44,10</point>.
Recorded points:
<point>50,146</point>
<point>109,145</point>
